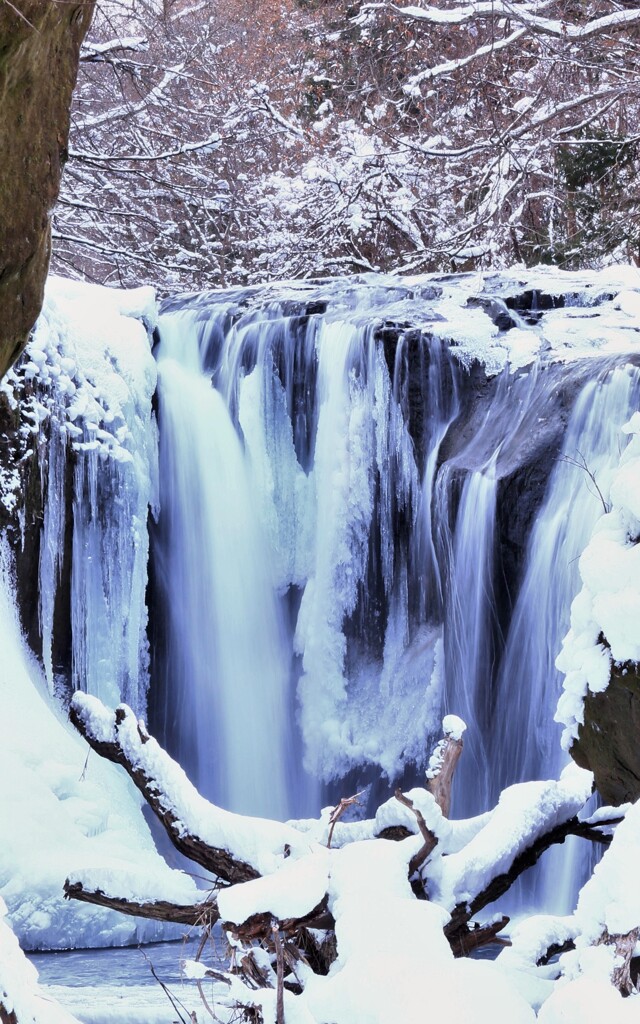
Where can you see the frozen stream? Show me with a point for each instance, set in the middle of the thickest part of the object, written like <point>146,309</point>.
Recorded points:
<point>131,965</point>
<point>117,986</point>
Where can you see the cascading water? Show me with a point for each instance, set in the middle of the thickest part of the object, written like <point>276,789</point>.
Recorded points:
<point>468,637</point>
<point>226,653</point>
<point>331,492</point>
<point>525,740</point>
<point>334,563</point>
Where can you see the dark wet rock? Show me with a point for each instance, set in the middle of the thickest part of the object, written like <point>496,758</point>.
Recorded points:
<point>608,742</point>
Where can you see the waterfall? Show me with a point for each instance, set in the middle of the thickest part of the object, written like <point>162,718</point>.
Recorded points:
<point>360,504</point>
<point>334,563</point>
<point>525,740</point>
<point>227,661</point>
<point>308,417</point>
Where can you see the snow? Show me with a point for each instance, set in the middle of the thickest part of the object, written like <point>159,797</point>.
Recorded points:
<point>81,810</point>
<point>393,958</point>
<point>608,900</point>
<point>20,993</point>
<point>453,726</point>
<point>589,999</point>
<point>608,605</point>
<point>135,1004</point>
<point>292,891</point>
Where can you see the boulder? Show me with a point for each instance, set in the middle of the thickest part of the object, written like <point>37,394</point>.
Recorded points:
<point>607,743</point>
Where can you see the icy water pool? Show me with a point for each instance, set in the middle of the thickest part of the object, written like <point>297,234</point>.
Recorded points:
<point>117,986</point>
<point>128,966</point>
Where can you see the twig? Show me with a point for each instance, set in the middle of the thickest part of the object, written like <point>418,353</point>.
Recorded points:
<point>582,464</point>
<point>83,773</point>
<point>172,999</point>
<point>277,941</point>
<point>338,811</point>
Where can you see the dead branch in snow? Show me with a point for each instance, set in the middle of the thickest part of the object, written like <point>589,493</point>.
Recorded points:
<point>430,841</point>
<point>338,811</point>
<point>198,914</point>
<point>457,930</point>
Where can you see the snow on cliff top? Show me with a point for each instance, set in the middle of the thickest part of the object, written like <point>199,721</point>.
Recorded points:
<point>572,314</point>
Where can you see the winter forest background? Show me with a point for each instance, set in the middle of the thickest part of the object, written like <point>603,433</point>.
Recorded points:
<point>220,144</point>
<point>327,433</point>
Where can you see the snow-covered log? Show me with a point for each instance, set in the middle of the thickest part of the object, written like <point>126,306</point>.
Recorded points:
<point>233,847</point>
<point>387,904</point>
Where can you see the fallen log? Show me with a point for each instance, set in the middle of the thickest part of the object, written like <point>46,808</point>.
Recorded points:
<point>198,915</point>
<point>210,836</point>
<point>243,850</point>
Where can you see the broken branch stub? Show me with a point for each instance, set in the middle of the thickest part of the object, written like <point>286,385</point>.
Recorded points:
<point>443,761</point>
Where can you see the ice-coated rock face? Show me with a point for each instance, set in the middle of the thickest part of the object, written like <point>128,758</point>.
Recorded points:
<point>38,68</point>
<point>79,478</point>
<point>600,703</point>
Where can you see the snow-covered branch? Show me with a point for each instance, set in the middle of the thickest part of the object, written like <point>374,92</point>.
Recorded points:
<point>208,144</point>
<point>91,51</point>
<point>522,13</point>
<point>233,847</point>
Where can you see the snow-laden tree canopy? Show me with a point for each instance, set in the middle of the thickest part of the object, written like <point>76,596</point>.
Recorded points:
<point>255,142</point>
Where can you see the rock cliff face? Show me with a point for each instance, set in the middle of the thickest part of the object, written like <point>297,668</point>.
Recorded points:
<point>608,741</point>
<point>39,52</point>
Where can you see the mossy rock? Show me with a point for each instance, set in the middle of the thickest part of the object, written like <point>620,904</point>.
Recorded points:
<point>608,743</point>
<point>39,53</point>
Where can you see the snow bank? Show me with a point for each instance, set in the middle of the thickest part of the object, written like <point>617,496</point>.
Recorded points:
<point>610,900</point>
<point>589,999</point>
<point>606,612</point>
<point>61,808</point>
<point>20,993</point>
